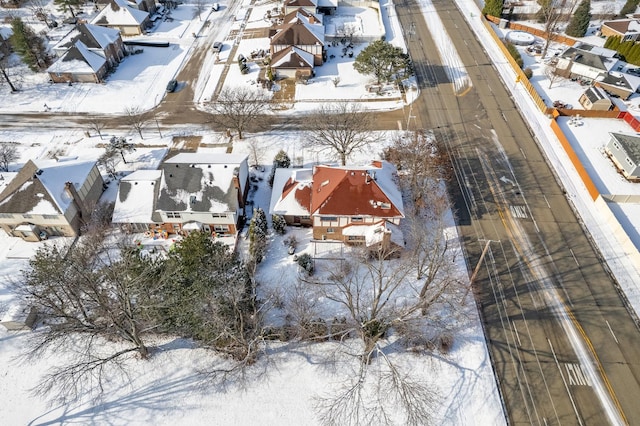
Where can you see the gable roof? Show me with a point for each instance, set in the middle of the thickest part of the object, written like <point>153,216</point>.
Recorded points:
<point>595,94</point>
<point>291,194</point>
<point>119,12</point>
<point>301,3</point>
<point>356,191</point>
<point>590,59</point>
<point>630,144</point>
<point>620,81</point>
<point>624,26</point>
<point>137,195</point>
<point>299,33</point>
<point>301,15</point>
<point>78,59</point>
<point>201,182</point>
<point>292,57</point>
<point>93,36</point>
<point>39,187</point>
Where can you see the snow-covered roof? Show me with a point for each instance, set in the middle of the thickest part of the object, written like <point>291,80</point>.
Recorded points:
<point>39,187</point>
<point>136,197</point>
<point>202,182</point>
<point>291,192</point>
<point>119,12</point>
<point>93,36</point>
<point>292,57</point>
<point>299,33</point>
<point>78,59</point>
<point>373,234</point>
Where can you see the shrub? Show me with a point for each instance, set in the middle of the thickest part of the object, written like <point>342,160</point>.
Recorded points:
<point>528,73</point>
<point>515,54</point>
<point>305,261</point>
<point>279,224</point>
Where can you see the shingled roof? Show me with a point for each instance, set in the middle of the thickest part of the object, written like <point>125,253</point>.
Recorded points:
<point>299,33</point>
<point>93,36</point>
<point>38,187</point>
<point>78,59</point>
<point>292,57</point>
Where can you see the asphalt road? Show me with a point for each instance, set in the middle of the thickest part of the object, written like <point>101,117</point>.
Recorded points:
<point>562,342</point>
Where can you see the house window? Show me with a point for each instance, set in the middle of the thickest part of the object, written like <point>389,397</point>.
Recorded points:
<point>330,230</point>
<point>221,228</point>
<point>329,219</point>
<point>173,215</point>
<point>6,215</point>
<point>304,217</point>
<point>219,215</point>
<point>356,219</point>
<point>355,238</point>
<point>385,205</point>
<point>27,216</point>
<point>616,146</point>
<point>50,216</point>
<point>629,162</point>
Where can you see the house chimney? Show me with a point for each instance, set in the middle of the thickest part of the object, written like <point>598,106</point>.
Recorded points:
<point>75,198</point>
<point>312,19</point>
<point>377,163</point>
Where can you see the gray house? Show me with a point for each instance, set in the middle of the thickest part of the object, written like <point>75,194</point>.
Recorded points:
<point>624,150</point>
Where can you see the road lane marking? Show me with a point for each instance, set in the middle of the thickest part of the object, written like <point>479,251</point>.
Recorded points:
<point>518,212</point>
<point>573,403</point>
<point>576,375</point>
<point>574,257</point>
<point>612,333</point>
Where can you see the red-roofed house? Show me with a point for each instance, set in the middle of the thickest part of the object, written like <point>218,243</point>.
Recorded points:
<point>353,204</point>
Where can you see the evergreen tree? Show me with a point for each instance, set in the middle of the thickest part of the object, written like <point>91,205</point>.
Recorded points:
<point>629,7</point>
<point>580,21</point>
<point>279,224</point>
<point>612,43</point>
<point>258,228</point>
<point>384,61</point>
<point>280,161</point>
<point>493,8</point>
<point>28,45</point>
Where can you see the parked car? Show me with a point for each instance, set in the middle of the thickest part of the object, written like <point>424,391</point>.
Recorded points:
<point>217,46</point>
<point>171,86</point>
<point>634,71</point>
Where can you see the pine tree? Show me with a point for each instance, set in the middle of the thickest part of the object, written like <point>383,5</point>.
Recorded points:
<point>612,42</point>
<point>384,61</point>
<point>493,8</point>
<point>629,7</point>
<point>258,228</point>
<point>28,45</point>
<point>280,161</point>
<point>580,20</point>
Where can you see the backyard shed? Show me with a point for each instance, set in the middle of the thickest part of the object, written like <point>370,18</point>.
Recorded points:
<point>595,98</point>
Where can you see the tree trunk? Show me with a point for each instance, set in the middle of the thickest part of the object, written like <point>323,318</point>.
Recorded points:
<point>6,77</point>
<point>343,158</point>
<point>123,159</point>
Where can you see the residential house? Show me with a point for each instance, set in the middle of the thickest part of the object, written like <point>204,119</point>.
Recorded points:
<point>79,64</point>
<point>624,151</point>
<point>306,35</point>
<point>619,84</point>
<point>352,204</point>
<point>293,62</point>
<point>106,42</point>
<point>145,5</point>
<point>586,62</point>
<point>595,98</point>
<point>626,29</point>
<point>190,191</point>
<point>49,198</point>
<point>119,14</point>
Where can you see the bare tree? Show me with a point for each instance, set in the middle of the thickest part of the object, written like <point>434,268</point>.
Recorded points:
<point>239,108</point>
<point>342,128</point>
<point>118,146</point>
<point>551,73</point>
<point>87,294</point>
<point>38,8</point>
<point>136,119</point>
<point>256,152</point>
<point>375,296</point>
<point>8,154</point>
<point>551,14</point>
<point>199,6</point>
<point>96,124</point>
